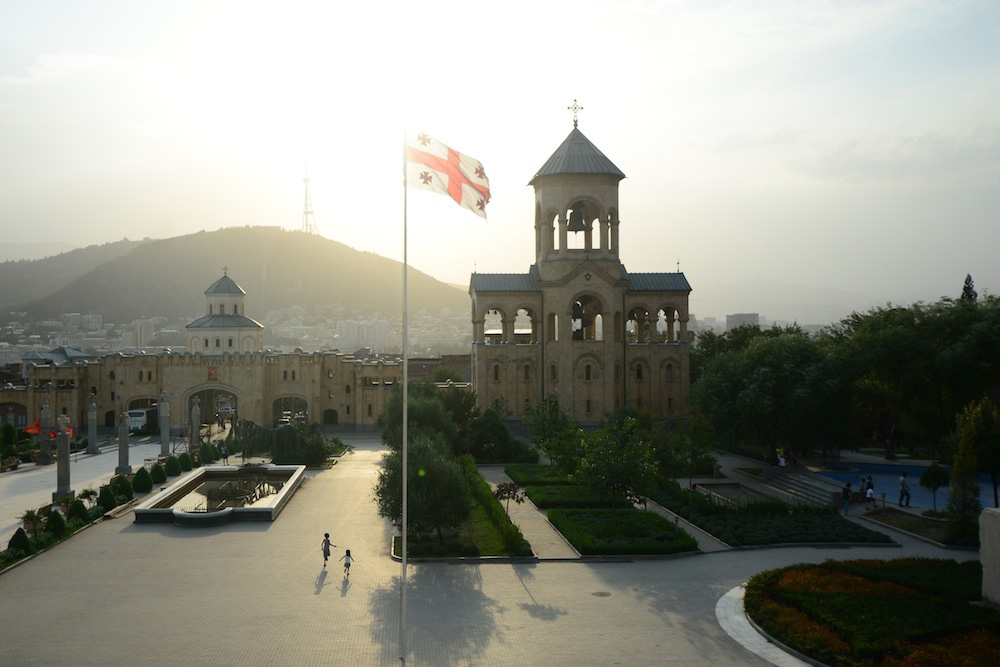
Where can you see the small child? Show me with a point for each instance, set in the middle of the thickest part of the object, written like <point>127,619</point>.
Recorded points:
<point>347,563</point>
<point>325,547</point>
<point>870,498</point>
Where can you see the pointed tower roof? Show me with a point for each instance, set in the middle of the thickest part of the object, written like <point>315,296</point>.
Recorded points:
<point>225,285</point>
<point>576,155</point>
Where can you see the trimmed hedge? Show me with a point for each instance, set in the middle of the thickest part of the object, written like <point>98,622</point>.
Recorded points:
<point>625,531</point>
<point>77,510</point>
<point>185,462</point>
<point>512,538</point>
<point>123,487</point>
<point>55,524</point>
<point>763,522</point>
<point>838,616</point>
<point>579,497</point>
<point>142,481</point>
<point>173,467</point>
<point>19,540</point>
<point>524,474</point>
<point>158,474</point>
<point>107,498</point>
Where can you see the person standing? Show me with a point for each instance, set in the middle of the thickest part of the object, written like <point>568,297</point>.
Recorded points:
<point>869,497</point>
<point>224,453</point>
<point>904,490</point>
<point>845,495</point>
<point>325,546</point>
<point>347,563</point>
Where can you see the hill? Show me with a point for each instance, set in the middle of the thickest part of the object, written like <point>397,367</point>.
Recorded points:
<point>24,281</point>
<point>277,268</point>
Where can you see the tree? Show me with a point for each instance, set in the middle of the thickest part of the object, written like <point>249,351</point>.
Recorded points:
<point>969,294</point>
<point>556,434</point>
<point>963,498</point>
<point>89,496</point>
<point>982,421</point>
<point>618,459</point>
<point>933,479</point>
<point>688,448</point>
<point>20,541</point>
<point>142,482</point>
<point>55,524</point>
<point>491,440</point>
<point>425,414</point>
<point>107,498</point>
<point>32,521</point>
<point>439,494</point>
<point>506,492</point>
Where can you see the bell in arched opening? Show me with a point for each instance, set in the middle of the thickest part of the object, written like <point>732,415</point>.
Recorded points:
<point>576,223</point>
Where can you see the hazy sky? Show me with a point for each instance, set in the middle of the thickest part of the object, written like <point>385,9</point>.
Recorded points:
<point>844,145</point>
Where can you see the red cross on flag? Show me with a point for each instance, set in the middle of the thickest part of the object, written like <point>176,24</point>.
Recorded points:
<point>433,166</point>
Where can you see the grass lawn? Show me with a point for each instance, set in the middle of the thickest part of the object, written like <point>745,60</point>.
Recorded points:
<point>526,474</point>
<point>478,536</point>
<point>907,611</point>
<point>626,531</point>
<point>932,529</point>
<point>340,449</point>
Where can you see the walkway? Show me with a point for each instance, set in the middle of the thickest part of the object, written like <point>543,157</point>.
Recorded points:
<point>545,540</point>
<point>259,595</point>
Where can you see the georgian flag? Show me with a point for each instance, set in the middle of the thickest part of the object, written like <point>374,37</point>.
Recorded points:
<point>433,166</point>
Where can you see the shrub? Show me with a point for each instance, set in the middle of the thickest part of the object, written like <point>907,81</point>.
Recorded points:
<point>622,532</point>
<point>572,496</point>
<point>20,541</point>
<point>107,499</point>
<point>185,462</point>
<point>525,474</point>
<point>55,524</point>
<point>158,474</point>
<point>512,538</point>
<point>77,510</point>
<point>142,482</point>
<point>205,454</point>
<point>96,512</point>
<point>173,467</point>
<point>123,487</point>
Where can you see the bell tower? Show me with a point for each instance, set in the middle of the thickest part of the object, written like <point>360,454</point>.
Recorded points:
<point>576,202</point>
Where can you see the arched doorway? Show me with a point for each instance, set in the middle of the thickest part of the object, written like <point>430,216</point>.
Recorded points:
<point>330,417</point>
<point>289,409</point>
<point>219,408</point>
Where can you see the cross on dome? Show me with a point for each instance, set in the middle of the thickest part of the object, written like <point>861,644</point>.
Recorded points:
<point>576,108</point>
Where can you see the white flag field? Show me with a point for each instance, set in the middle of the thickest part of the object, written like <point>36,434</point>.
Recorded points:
<point>431,165</point>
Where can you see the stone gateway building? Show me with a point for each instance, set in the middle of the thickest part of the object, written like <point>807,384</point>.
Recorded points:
<point>578,327</point>
<point>225,367</point>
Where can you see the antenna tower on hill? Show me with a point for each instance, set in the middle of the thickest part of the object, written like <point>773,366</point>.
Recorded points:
<point>308,219</point>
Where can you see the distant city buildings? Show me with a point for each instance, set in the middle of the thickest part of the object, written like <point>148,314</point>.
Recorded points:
<point>742,319</point>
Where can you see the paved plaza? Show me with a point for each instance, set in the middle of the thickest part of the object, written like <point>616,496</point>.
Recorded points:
<point>248,594</point>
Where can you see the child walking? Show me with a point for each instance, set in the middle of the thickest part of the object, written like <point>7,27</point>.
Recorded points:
<point>326,548</point>
<point>347,563</point>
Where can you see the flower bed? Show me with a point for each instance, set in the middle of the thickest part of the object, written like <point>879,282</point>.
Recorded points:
<point>899,612</point>
<point>763,522</point>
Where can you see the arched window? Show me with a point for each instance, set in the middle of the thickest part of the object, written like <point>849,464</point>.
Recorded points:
<point>285,375</point>
<point>347,389</point>
<point>670,404</point>
<point>496,372</point>
<point>149,376</point>
<point>348,409</point>
<point>218,343</point>
<point>230,342</point>
<point>293,376</point>
<point>638,373</point>
<point>670,372</point>
<point>111,375</point>
<point>527,373</point>
<point>588,406</point>
<point>554,373</point>
<point>140,376</point>
<point>206,343</point>
<point>209,309</point>
<point>369,409</point>
<point>587,373</point>
<point>587,322</point>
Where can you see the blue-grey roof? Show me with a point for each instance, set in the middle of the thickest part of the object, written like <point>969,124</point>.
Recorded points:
<point>577,155</point>
<point>503,282</point>
<point>657,282</point>
<point>225,322</point>
<point>60,356</point>
<point>225,285</point>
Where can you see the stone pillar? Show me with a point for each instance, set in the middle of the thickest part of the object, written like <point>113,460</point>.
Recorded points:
<point>164,425</point>
<point>123,467</point>
<point>44,444</point>
<point>563,234</point>
<point>989,553</point>
<point>62,461</point>
<point>92,426</point>
<point>195,438</point>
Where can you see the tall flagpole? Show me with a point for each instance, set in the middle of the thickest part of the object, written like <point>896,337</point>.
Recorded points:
<point>406,370</point>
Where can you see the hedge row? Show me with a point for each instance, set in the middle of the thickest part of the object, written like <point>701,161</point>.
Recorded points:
<point>524,474</point>
<point>481,491</point>
<point>764,522</point>
<point>625,531</point>
<point>578,497</point>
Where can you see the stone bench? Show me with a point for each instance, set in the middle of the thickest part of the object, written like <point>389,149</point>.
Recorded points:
<point>9,464</point>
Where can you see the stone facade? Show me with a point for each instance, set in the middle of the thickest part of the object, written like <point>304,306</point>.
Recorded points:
<point>578,327</point>
<point>330,387</point>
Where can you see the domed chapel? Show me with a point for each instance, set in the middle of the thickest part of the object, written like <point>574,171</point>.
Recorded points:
<point>578,327</point>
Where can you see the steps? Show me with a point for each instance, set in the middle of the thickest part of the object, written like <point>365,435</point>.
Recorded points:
<point>805,487</point>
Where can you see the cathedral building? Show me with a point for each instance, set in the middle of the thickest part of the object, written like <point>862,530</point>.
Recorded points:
<point>578,327</point>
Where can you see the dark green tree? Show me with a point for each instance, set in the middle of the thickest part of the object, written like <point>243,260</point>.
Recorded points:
<point>506,492</point>
<point>556,434</point>
<point>55,523</point>
<point>969,294</point>
<point>491,441</point>
<point>439,494</point>
<point>173,466</point>
<point>426,414</point>
<point>618,459</point>
<point>185,462</point>
<point>933,479</point>
<point>142,481</point>
<point>963,497</point>
<point>107,498</point>
<point>122,487</point>
<point>158,474</point>
<point>19,540</point>
<point>77,510</point>
<point>687,450</point>
<point>983,423</point>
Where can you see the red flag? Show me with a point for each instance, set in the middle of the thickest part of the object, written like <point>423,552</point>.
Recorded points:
<point>35,429</point>
<point>433,166</point>
<point>70,432</point>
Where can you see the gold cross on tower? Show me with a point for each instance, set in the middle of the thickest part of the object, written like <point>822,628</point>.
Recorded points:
<point>576,108</point>
<point>225,270</point>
